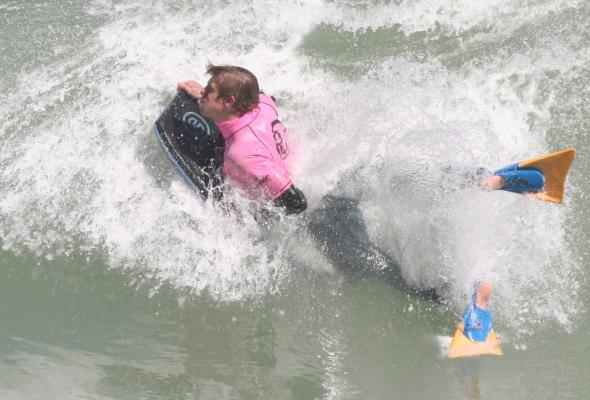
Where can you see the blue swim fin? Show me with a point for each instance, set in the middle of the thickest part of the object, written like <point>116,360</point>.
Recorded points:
<point>542,176</point>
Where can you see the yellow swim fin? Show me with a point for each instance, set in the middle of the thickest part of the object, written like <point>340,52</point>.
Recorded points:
<point>555,167</point>
<point>461,346</point>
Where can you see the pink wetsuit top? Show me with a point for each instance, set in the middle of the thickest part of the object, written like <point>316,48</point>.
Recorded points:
<point>256,151</point>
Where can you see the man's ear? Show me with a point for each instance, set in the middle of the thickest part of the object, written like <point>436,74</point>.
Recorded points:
<point>230,100</point>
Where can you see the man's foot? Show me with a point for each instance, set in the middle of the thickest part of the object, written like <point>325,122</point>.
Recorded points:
<point>490,183</point>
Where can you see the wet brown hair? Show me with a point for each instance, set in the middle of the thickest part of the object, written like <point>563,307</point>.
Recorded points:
<point>238,82</point>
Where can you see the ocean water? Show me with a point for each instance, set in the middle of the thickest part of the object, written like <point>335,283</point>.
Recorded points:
<point>117,282</point>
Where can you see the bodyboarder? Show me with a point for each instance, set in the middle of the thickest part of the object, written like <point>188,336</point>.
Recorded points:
<point>256,155</point>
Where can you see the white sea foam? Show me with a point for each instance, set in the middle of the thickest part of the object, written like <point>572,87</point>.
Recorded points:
<point>83,170</point>
<point>457,15</point>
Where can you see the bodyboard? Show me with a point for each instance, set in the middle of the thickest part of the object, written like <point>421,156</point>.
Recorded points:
<point>193,143</point>
<point>555,167</point>
<point>461,346</point>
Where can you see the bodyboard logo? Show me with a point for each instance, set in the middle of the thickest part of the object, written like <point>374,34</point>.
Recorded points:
<point>196,124</point>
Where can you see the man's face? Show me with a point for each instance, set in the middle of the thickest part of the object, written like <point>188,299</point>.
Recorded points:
<point>211,104</point>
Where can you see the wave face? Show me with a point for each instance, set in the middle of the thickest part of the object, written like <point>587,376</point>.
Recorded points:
<point>389,103</point>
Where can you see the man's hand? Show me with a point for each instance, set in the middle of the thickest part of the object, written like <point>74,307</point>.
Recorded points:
<point>192,88</point>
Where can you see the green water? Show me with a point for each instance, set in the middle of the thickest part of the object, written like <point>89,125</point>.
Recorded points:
<point>82,332</point>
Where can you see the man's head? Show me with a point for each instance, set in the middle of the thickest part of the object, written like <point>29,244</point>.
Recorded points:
<point>231,92</point>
